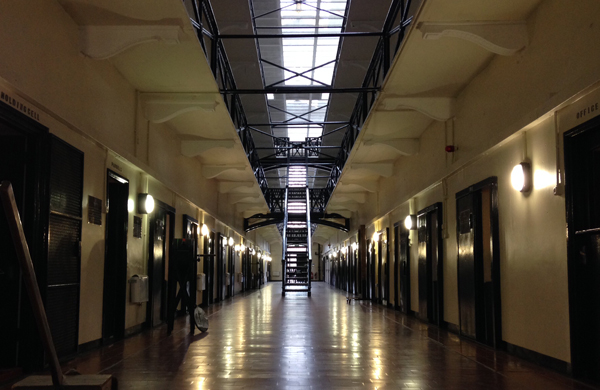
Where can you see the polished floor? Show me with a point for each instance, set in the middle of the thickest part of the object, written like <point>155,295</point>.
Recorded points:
<point>260,340</point>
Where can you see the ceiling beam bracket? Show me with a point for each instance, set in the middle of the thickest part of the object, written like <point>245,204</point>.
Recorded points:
<point>102,42</point>
<point>499,37</point>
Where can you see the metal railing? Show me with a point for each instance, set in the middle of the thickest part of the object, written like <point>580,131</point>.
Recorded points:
<point>308,237</point>
<point>284,247</point>
<point>390,39</point>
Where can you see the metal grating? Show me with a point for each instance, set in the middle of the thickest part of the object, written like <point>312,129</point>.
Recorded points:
<point>63,319</point>
<point>66,190</point>
<point>63,250</point>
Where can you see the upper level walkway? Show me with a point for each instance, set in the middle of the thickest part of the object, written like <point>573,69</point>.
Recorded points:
<point>260,340</point>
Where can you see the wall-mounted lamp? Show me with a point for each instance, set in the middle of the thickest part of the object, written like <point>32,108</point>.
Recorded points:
<point>242,248</point>
<point>521,178</point>
<point>410,222</point>
<point>376,237</point>
<point>354,246</point>
<point>204,230</point>
<point>236,248</point>
<point>230,241</point>
<point>145,203</point>
<point>344,250</point>
<point>253,251</point>
<point>130,205</point>
<point>259,255</point>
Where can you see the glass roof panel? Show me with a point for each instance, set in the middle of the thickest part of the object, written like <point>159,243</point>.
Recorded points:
<point>300,62</point>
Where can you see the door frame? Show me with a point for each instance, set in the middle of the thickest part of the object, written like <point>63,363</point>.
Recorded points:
<point>492,184</point>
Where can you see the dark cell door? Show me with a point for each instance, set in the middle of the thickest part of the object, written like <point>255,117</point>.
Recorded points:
<point>380,271</point>
<point>386,268</point>
<point>115,261</point>
<point>207,294</point>
<point>467,272</point>
<point>24,163</point>
<point>220,267</point>
<point>478,265</point>
<point>158,251</point>
<point>402,268</point>
<point>64,246</point>
<point>582,178</point>
<point>430,270</point>
<point>13,170</point>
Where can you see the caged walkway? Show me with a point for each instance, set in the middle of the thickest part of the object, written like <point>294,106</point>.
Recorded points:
<point>260,340</point>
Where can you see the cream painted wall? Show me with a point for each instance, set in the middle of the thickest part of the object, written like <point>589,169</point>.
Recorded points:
<point>560,61</point>
<point>91,106</point>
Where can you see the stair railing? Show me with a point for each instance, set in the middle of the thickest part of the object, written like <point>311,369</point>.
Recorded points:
<point>308,237</point>
<point>284,257</point>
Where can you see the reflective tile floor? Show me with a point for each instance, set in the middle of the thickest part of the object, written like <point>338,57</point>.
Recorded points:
<point>264,341</point>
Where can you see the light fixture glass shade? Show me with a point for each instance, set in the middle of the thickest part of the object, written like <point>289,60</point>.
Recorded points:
<point>259,255</point>
<point>376,237</point>
<point>354,246</point>
<point>253,251</point>
<point>237,248</point>
<point>204,230</point>
<point>130,205</point>
<point>520,177</point>
<point>230,241</point>
<point>145,203</point>
<point>410,222</point>
<point>243,248</point>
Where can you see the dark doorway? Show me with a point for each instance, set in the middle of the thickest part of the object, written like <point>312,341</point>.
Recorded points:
<point>478,263</point>
<point>431,303</point>
<point>370,271</point>
<point>23,162</point>
<point>402,268</point>
<point>582,173</point>
<point>222,249</point>
<point>115,261</point>
<point>209,268</point>
<point>64,246</point>
<point>386,268</point>
<point>190,234</point>
<point>231,254</point>
<point>160,228</point>
<point>379,268</point>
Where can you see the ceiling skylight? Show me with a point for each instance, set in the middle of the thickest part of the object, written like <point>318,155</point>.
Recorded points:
<point>300,62</point>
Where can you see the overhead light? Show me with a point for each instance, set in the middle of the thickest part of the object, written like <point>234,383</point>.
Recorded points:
<point>231,242</point>
<point>204,230</point>
<point>145,203</point>
<point>520,177</point>
<point>130,205</point>
<point>410,222</point>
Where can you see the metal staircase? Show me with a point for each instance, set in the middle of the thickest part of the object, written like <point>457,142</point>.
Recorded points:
<point>297,261</point>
